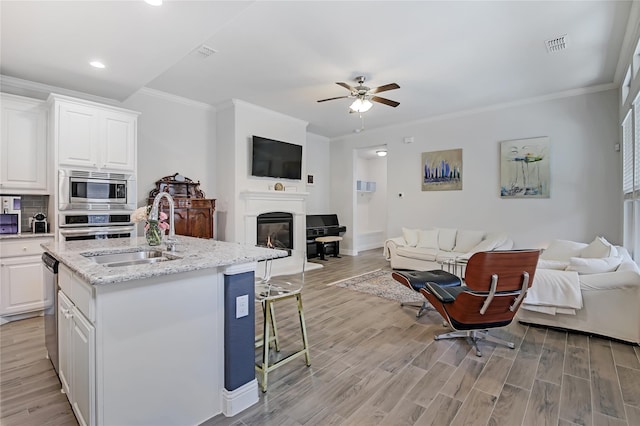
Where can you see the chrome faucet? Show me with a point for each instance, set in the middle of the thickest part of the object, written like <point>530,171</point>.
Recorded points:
<point>154,215</point>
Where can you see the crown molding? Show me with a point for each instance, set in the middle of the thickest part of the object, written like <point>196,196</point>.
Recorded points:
<point>42,91</point>
<point>173,98</point>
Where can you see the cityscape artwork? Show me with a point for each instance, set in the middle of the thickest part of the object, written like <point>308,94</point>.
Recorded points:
<point>524,168</point>
<point>442,170</point>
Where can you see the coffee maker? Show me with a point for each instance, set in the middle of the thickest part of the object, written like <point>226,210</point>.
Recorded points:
<point>39,224</point>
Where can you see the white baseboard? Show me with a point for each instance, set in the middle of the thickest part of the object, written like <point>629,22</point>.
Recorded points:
<point>236,401</point>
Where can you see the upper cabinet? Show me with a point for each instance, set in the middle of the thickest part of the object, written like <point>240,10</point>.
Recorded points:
<point>93,136</point>
<point>23,145</point>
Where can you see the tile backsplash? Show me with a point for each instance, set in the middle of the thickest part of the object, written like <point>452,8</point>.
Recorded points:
<point>30,205</point>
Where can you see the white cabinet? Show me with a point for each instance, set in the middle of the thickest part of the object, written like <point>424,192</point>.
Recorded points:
<point>23,145</point>
<point>22,288</point>
<point>76,348</point>
<point>93,136</point>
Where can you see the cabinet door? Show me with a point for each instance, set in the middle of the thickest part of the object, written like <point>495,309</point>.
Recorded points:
<point>23,146</point>
<point>200,223</point>
<point>83,376</point>
<point>65,325</point>
<point>119,143</point>
<point>23,287</point>
<point>181,221</point>
<point>78,143</point>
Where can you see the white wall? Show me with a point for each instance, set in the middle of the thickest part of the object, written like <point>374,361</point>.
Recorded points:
<point>174,136</point>
<point>237,122</point>
<point>318,161</point>
<point>585,172</point>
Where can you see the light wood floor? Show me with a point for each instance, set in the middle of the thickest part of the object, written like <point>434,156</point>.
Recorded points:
<point>373,363</point>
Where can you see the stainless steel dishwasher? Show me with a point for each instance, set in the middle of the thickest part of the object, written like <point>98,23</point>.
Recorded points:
<point>50,276</point>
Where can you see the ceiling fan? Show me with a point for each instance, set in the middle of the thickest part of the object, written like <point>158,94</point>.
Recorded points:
<point>364,95</point>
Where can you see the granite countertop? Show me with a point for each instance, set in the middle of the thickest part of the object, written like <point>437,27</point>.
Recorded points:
<point>192,254</point>
<point>25,235</point>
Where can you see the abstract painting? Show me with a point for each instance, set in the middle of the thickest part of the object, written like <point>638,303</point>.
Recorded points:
<point>442,170</point>
<point>524,168</point>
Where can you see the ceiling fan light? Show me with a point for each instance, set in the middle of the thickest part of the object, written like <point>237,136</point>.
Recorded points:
<point>381,153</point>
<point>361,105</point>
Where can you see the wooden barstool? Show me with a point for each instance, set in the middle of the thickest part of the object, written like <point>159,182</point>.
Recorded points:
<point>323,242</point>
<point>269,291</point>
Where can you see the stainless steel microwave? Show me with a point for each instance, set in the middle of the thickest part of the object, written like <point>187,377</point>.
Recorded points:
<point>90,190</point>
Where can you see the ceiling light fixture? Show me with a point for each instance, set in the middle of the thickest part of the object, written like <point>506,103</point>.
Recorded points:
<point>361,105</point>
<point>382,153</point>
<point>154,2</point>
<point>97,64</point>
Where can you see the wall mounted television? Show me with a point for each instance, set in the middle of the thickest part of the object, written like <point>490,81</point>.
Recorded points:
<point>276,159</point>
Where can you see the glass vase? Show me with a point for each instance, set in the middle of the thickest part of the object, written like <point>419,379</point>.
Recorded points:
<point>153,233</point>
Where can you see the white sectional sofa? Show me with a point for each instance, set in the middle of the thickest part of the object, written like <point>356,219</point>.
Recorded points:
<point>421,250</point>
<point>609,283</point>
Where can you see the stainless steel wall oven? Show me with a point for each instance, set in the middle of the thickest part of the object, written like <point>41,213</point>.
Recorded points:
<point>92,226</point>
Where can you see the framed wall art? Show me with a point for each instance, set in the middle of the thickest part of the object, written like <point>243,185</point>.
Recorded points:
<point>524,168</point>
<point>442,170</point>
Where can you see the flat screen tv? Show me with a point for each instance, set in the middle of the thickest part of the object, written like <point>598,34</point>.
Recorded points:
<point>276,159</point>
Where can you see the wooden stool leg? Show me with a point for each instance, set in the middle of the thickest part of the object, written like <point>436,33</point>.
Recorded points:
<point>320,248</point>
<point>336,249</point>
<point>272,317</point>
<point>303,329</point>
<point>265,347</point>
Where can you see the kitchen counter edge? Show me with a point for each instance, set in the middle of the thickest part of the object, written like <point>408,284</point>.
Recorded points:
<point>194,254</point>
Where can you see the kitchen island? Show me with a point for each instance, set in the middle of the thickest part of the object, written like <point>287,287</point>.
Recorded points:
<point>166,339</point>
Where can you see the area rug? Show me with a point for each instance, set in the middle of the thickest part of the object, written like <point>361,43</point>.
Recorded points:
<point>379,283</point>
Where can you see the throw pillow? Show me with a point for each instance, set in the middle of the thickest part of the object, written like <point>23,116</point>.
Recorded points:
<point>447,239</point>
<point>594,266</point>
<point>466,240</point>
<point>428,238</point>
<point>410,236</point>
<point>563,250</point>
<point>598,249</point>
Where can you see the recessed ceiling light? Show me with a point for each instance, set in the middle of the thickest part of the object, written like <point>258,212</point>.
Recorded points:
<point>382,153</point>
<point>97,64</point>
<point>154,2</point>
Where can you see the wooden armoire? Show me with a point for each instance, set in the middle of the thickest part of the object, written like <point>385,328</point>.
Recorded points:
<point>193,213</point>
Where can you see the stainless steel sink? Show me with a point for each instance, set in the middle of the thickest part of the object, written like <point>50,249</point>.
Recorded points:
<point>140,257</point>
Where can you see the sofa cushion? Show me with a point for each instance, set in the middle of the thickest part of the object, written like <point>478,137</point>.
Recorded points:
<point>466,240</point>
<point>594,266</point>
<point>428,238</point>
<point>448,255</point>
<point>598,249</point>
<point>563,250</point>
<point>447,238</point>
<point>558,265</point>
<point>417,253</point>
<point>410,236</point>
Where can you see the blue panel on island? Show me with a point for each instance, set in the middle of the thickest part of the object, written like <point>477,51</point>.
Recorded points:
<point>239,333</point>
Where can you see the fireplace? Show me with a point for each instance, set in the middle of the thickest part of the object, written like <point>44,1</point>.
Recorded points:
<point>275,230</point>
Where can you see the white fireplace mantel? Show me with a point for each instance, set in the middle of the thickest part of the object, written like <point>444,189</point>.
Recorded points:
<point>274,195</point>
<point>294,202</point>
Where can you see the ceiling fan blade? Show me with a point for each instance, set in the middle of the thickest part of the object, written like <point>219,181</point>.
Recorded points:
<point>385,101</point>
<point>346,86</point>
<point>330,99</point>
<point>390,86</point>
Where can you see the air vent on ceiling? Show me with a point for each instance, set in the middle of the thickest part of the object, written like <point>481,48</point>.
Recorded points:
<point>557,44</point>
<point>204,51</point>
